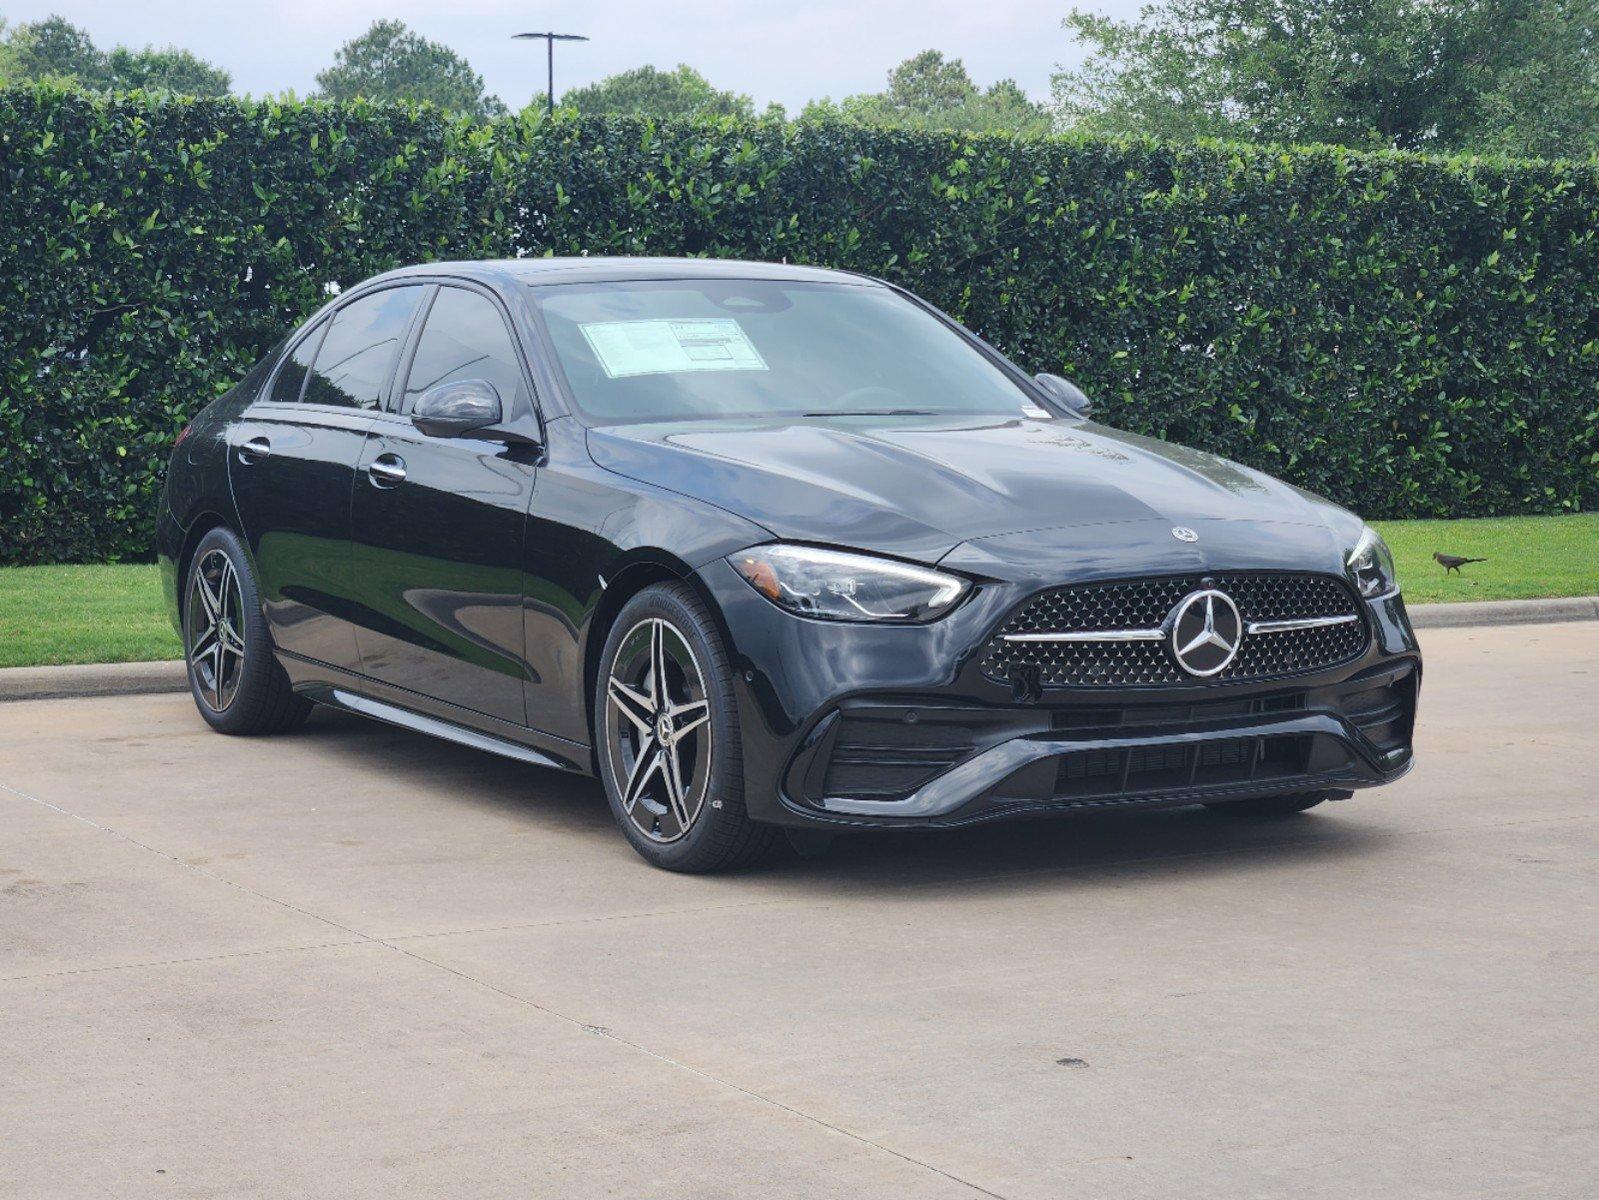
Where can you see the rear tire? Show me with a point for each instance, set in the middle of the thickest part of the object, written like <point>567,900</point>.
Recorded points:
<point>1267,807</point>
<point>675,782</point>
<point>234,676</point>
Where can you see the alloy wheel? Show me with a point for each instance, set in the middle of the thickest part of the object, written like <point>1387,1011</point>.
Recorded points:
<point>215,620</point>
<point>658,730</point>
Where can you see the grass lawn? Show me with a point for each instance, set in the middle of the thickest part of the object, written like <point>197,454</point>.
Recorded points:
<point>83,614</point>
<point>1528,557</point>
<point>114,613</point>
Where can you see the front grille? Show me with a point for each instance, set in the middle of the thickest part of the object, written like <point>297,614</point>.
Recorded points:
<point>1147,604</point>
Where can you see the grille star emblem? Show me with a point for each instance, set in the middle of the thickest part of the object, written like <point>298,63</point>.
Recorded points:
<point>1206,632</point>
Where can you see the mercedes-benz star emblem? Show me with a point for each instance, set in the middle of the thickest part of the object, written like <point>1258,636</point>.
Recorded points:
<point>1184,534</point>
<point>1206,632</point>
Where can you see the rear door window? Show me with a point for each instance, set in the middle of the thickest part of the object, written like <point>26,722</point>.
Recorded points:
<point>357,356</point>
<point>286,388</point>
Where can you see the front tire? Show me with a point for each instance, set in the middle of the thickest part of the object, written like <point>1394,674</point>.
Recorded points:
<point>667,737</point>
<point>234,677</point>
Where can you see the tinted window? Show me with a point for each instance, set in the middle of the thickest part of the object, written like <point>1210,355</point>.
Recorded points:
<point>736,348</point>
<point>465,338</point>
<point>286,388</point>
<point>358,352</point>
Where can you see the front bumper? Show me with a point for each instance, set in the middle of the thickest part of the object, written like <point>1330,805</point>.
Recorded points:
<point>896,727</point>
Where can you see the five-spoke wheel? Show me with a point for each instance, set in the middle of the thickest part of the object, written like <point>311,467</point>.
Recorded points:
<point>668,739</point>
<point>658,729</point>
<point>237,683</point>
<point>215,629</point>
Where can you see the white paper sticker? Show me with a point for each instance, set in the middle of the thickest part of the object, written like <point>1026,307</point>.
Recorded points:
<point>1036,413</point>
<point>667,347</point>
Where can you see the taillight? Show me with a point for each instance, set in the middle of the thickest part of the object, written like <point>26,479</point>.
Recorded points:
<point>183,435</point>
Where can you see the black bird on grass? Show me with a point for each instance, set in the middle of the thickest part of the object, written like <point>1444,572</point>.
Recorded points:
<point>1453,562</point>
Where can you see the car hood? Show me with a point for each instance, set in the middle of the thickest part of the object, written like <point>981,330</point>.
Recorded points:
<point>917,487</point>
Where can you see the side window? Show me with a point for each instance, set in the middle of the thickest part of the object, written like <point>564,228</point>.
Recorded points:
<point>465,338</point>
<point>358,352</point>
<point>291,375</point>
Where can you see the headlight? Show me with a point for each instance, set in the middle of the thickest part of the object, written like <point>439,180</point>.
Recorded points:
<point>1371,566</point>
<point>834,586</point>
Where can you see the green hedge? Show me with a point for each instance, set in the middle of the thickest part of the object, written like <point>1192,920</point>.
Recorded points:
<point>1412,336</point>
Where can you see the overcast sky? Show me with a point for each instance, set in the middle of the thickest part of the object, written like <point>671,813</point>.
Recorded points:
<point>784,50</point>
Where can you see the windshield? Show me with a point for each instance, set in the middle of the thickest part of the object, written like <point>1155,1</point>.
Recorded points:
<point>670,349</point>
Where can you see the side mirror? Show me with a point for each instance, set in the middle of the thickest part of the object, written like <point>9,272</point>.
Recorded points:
<point>1067,392</point>
<point>457,409</point>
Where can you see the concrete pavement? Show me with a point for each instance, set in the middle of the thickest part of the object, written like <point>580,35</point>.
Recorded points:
<point>355,962</point>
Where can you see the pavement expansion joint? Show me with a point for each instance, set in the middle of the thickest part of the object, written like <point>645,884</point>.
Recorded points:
<point>193,958</point>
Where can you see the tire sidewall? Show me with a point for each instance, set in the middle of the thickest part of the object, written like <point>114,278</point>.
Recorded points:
<point>258,657</point>
<point>721,815</point>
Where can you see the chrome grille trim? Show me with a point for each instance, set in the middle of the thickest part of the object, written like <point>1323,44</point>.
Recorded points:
<point>1300,623</point>
<point>1092,635</point>
<point>1155,635</point>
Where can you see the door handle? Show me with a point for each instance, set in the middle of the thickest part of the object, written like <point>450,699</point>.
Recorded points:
<point>254,450</point>
<point>386,471</point>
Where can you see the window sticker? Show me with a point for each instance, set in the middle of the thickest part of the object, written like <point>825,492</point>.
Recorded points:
<point>1034,412</point>
<point>668,347</point>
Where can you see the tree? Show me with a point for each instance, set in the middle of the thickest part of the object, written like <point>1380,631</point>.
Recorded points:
<point>926,84</point>
<point>928,91</point>
<point>8,58</point>
<point>645,91</point>
<point>1546,100</point>
<point>54,48</point>
<point>389,62</point>
<point>169,69</point>
<point>57,49</point>
<point>1412,74</point>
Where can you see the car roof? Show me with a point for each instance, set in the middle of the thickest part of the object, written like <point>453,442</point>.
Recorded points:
<point>603,269</point>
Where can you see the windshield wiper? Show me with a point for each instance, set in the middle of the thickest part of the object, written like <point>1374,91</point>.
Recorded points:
<point>873,412</point>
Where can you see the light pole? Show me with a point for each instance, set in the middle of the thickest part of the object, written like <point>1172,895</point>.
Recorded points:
<point>549,41</point>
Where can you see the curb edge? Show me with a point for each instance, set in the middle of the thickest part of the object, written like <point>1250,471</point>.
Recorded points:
<point>1504,612</point>
<point>92,679</point>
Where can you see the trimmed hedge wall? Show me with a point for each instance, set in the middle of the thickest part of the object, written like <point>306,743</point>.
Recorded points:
<point>1412,336</point>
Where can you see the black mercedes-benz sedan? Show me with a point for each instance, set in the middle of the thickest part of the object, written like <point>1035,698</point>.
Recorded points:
<point>766,547</point>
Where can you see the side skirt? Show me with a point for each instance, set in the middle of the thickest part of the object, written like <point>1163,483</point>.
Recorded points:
<point>353,693</point>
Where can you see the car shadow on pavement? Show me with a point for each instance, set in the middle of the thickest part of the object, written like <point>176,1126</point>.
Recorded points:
<point>1096,847</point>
